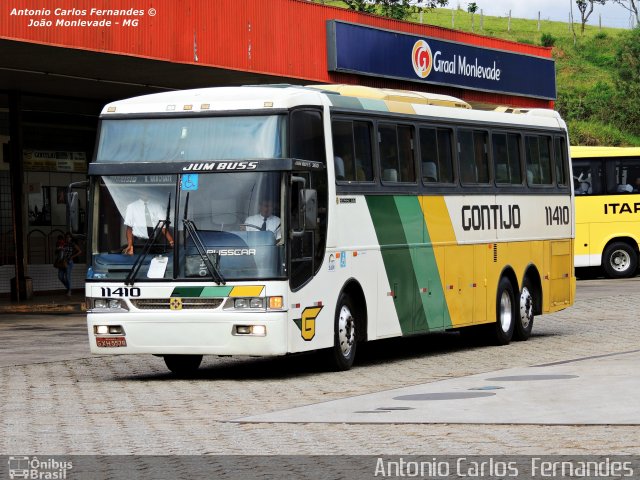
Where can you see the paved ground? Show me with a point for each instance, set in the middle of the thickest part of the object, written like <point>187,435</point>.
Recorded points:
<point>63,402</point>
<point>541,395</point>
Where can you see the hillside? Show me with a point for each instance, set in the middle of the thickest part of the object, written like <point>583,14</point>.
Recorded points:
<point>585,72</point>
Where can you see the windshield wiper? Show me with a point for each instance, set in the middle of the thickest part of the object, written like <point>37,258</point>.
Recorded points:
<point>192,231</point>
<point>131,276</point>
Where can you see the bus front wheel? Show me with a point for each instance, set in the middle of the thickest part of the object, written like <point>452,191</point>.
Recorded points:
<point>183,365</point>
<point>619,260</point>
<point>343,352</point>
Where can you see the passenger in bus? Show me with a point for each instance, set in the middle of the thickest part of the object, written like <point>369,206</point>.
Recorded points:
<point>339,166</point>
<point>583,184</point>
<point>265,220</point>
<point>140,218</point>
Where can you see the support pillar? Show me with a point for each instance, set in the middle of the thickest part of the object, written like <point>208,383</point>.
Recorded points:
<point>21,288</point>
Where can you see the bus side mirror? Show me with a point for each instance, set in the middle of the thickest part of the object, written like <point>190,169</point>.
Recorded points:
<point>309,206</point>
<point>73,206</point>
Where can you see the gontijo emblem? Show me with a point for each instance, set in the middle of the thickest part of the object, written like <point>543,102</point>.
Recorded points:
<point>175,303</point>
<point>421,58</point>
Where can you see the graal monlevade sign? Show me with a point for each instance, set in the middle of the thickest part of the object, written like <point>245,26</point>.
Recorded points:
<point>383,53</point>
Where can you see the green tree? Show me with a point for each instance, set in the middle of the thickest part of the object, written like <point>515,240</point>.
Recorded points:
<point>627,107</point>
<point>398,9</point>
<point>586,9</point>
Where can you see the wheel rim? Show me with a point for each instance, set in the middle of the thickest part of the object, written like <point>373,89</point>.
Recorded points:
<point>505,311</point>
<point>526,308</point>
<point>620,260</point>
<point>346,331</point>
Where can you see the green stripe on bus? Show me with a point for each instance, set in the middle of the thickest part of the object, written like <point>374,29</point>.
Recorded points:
<point>351,103</point>
<point>216,291</point>
<point>410,263</point>
<point>187,291</point>
<point>429,288</point>
<point>397,260</point>
<point>373,104</point>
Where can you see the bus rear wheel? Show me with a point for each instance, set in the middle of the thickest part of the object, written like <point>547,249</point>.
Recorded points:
<point>524,321</point>
<point>183,365</point>
<point>501,331</point>
<point>619,260</point>
<point>343,352</point>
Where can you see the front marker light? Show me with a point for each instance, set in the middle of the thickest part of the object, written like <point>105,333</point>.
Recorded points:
<point>275,303</point>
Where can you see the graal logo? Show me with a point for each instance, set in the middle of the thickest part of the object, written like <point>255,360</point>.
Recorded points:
<point>422,59</point>
<point>27,467</point>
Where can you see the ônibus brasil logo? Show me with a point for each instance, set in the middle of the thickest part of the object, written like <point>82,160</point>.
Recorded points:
<point>422,59</point>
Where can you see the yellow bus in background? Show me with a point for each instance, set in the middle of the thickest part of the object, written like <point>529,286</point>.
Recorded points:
<point>607,195</point>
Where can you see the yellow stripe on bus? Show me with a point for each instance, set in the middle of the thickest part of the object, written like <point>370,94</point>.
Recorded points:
<point>247,291</point>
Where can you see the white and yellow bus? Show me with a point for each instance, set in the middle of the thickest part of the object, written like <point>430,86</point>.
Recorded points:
<point>381,214</point>
<point>607,189</point>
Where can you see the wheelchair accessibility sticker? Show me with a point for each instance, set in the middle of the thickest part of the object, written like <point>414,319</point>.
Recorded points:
<point>189,182</point>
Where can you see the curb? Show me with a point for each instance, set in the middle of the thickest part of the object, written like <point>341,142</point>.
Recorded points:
<point>43,308</point>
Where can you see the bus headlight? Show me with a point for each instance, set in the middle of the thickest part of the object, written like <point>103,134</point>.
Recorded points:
<point>255,303</point>
<point>241,303</point>
<point>107,304</point>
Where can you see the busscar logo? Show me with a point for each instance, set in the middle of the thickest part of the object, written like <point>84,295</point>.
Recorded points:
<point>422,59</point>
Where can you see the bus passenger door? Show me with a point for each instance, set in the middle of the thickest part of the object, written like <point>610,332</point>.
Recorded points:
<point>459,291</point>
<point>482,255</point>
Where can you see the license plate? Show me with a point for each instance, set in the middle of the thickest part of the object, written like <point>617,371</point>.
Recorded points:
<point>110,342</point>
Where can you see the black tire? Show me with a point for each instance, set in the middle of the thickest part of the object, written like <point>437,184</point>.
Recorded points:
<point>345,341</point>
<point>524,319</point>
<point>501,332</point>
<point>619,260</point>
<point>588,273</point>
<point>183,365</point>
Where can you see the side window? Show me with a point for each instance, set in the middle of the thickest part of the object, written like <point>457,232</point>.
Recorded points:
<point>396,153</point>
<point>307,138</point>
<point>472,155</point>
<point>506,158</point>
<point>364,152</point>
<point>587,177</point>
<point>436,156</point>
<point>538,155</point>
<point>342,134</point>
<point>352,152</point>
<point>560,158</point>
<point>623,176</point>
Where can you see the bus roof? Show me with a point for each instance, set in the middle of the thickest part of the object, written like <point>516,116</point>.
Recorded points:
<point>603,152</point>
<point>347,97</point>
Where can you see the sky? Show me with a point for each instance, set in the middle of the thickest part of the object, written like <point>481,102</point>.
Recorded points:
<point>612,15</point>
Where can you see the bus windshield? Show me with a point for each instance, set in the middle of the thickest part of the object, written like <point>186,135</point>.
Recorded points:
<point>229,221</point>
<point>194,138</point>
